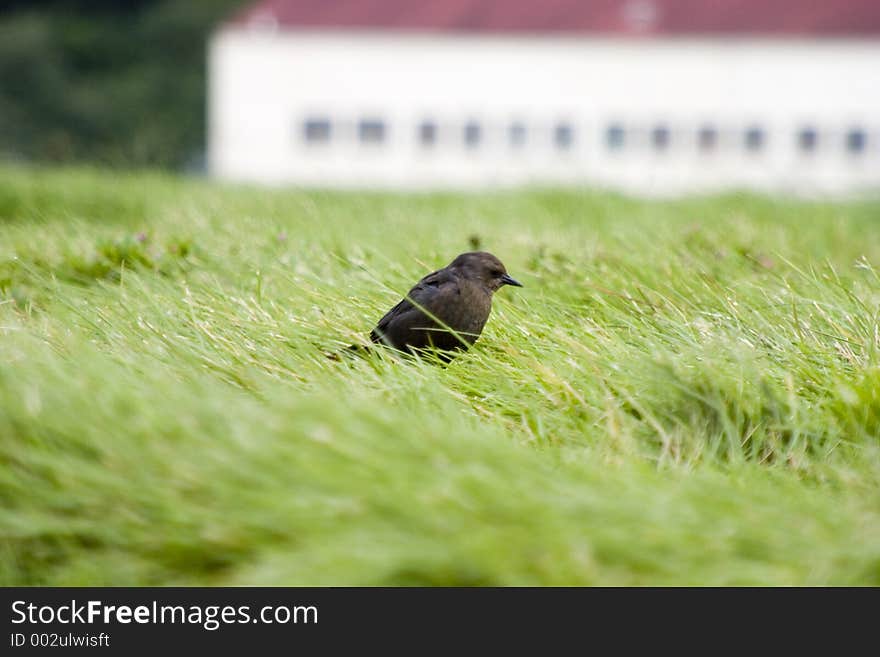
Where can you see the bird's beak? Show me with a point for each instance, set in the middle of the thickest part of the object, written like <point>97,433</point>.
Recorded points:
<point>507,280</point>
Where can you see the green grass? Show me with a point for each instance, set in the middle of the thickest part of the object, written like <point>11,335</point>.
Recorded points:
<point>685,392</point>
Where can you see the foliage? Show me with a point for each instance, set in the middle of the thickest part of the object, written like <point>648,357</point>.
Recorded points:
<point>117,83</point>
<point>685,392</point>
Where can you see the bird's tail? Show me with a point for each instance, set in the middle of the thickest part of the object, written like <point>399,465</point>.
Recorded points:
<point>349,351</point>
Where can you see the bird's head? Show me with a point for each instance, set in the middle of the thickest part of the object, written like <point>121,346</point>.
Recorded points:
<point>485,268</point>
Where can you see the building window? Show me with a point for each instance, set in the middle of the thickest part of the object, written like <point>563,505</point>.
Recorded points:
<point>427,133</point>
<point>707,138</point>
<point>856,141</point>
<point>473,133</point>
<point>316,130</point>
<point>615,137</point>
<point>516,134</point>
<point>807,139</point>
<point>563,136</point>
<point>660,137</point>
<point>371,131</point>
<point>754,139</point>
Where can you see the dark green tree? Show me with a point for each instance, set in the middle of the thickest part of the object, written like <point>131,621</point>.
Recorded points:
<point>113,83</point>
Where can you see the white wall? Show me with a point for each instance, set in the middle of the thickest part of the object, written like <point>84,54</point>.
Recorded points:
<point>264,83</point>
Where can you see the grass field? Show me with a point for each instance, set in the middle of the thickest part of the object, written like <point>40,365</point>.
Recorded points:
<point>684,392</point>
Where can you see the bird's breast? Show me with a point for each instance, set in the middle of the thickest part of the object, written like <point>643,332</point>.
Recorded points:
<point>470,312</point>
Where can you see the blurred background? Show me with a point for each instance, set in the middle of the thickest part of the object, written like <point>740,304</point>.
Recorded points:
<point>106,82</point>
<point>652,96</point>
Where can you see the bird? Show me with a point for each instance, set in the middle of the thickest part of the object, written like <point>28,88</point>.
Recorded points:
<point>447,309</point>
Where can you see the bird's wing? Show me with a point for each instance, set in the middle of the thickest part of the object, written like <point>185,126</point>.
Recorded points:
<point>429,294</point>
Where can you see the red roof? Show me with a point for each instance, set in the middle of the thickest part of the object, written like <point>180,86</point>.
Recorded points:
<point>851,18</point>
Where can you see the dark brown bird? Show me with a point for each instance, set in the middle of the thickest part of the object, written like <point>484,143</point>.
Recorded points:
<point>447,309</point>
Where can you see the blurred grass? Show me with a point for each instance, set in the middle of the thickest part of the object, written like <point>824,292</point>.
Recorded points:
<point>685,392</point>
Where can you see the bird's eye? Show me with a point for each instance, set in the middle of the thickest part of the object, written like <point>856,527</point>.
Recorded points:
<point>497,273</point>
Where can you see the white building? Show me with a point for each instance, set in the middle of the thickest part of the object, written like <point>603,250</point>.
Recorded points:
<point>652,96</point>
